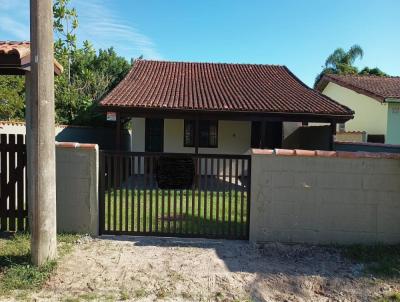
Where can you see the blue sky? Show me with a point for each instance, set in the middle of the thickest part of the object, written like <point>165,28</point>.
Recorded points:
<point>297,33</point>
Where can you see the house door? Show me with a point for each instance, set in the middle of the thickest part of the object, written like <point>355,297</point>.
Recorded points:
<point>273,135</point>
<point>154,135</point>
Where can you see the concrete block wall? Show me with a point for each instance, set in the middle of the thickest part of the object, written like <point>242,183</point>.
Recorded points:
<point>325,197</point>
<point>77,188</point>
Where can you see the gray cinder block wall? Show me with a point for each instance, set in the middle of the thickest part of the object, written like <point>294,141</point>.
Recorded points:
<point>325,197</point>
<point>77,188</point>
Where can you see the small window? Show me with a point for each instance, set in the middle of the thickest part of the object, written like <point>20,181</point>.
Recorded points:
<point>342,127</point>
<point>208,134</point>
<point>376,138</point>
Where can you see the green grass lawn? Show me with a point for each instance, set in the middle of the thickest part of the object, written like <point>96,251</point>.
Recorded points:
<point>16,271</point>
<point>177,211</point>
<point>380,260</point>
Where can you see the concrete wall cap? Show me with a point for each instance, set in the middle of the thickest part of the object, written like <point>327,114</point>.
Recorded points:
<point>76,145</point>
<point>262,151</point>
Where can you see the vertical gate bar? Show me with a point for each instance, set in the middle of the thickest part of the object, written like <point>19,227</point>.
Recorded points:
<point>109,181</point>
<point>223,195</point>
<point>4,191</point>
<point>114,189</point>
<point>212,189</point>
<point>127,166</point>
<point>248,197</point>
<point>205,195</point>
<point>162,209</point>
<point>20,198</point>
<point>236,196</point>
<point>139,187</point>
<point>25,202</point>
<point>230,199</point>
<point>199,195</point>
<point>121,194</point>
<point>11,183</point>
<point>132,190</point>
<point>242,230</point>
<point>145,194</point>
<point>187,211</point>
<point>193,196</point>
<point>175,202</point>
<point>169,211</point>
<point>217,221</point>
<point>151,194</point>
<point>181,211</point>
<point>157,197</point>
<point>101,194</point>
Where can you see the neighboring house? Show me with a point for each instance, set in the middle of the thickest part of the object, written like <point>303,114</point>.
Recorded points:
<point>219,108</point>
<point>375,101</point>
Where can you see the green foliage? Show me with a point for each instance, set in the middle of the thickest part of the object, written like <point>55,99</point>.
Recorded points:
<point>393,297</point>
<point>12,96</point>
<point>373,71</point>
<point>88,76</point>
<point>93,75</point>
<point>342,62</point>
<point>379,260</point>
<point>16,271</point>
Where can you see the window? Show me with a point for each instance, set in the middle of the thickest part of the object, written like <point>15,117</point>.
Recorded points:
<point>376,138</point>
<point>208,134</point>
<point>342,127</point>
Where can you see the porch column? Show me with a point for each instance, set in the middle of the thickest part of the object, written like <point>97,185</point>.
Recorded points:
<point>263,131</point>
<point>332,136</point>
<point>196,136</point>
<point>118,133</point>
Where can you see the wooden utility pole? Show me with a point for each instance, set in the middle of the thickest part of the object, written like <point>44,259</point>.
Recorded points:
<point>40,135</point>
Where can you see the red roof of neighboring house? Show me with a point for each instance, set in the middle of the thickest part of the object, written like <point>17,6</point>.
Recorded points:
<point>219,87</point>
<point>15,58</point>
<point>379,88</point>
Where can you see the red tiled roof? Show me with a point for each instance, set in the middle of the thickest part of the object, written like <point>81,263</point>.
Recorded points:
<point>379,88</point>
<point>20,52</point>
<point>21,49</point>
<point>219,87</point>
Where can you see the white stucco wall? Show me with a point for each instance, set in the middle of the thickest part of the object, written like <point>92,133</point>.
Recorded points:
<point>370,115</point>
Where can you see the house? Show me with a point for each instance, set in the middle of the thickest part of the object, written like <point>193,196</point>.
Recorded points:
<point>183,107</point>
<point>375,101</point>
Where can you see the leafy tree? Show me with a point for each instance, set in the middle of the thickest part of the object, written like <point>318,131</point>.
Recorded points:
<point>342,62</point>
<point>373,71</point>
<point>12,96</point>
<point>88,77</point>
<point>65,25</point>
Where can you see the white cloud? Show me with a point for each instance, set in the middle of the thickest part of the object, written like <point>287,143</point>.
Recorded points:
<point>102,26</point>
<point>97,23</point>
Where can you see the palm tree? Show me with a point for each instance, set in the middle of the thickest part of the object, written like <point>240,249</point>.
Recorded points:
<point>341,61</point>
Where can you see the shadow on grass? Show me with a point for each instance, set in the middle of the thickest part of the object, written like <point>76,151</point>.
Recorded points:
<point>16,270</point>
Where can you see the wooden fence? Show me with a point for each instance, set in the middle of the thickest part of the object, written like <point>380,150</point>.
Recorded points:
<point>13,205</point>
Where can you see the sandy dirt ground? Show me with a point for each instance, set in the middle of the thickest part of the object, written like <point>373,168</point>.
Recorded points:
<point>170,269</point>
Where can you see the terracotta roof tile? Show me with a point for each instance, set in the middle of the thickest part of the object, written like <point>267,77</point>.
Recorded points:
<point>379,88</point>
<point>218,87</point>
<point>22,50</point>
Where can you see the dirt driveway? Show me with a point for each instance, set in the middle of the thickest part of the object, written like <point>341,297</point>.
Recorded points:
<point>152,269</point>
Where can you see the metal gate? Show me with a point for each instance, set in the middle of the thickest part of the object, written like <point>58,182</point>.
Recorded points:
<point>182,195</point>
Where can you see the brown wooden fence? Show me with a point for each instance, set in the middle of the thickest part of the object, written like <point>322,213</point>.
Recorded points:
<point>189,195</point>
<point>13,205</point>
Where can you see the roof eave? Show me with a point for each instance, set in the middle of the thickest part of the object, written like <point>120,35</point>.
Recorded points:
<point>239,115</point>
